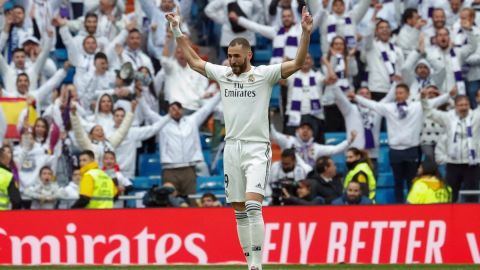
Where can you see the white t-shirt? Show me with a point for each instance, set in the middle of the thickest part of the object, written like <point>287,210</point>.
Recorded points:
<point>245,100</point>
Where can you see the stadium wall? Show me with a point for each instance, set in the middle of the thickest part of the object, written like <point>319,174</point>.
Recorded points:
<point>294,235</point>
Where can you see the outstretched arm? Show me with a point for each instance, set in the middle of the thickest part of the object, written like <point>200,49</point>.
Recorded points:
<point>195,62</point>
<point>290,67</point>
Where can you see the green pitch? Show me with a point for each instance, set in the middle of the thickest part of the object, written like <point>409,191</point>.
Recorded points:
<point>269,267</point>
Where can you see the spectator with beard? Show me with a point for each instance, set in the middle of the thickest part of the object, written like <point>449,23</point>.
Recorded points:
<point>352,196</point>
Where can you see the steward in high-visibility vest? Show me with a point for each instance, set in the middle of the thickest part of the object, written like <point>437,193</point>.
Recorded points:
<point>97,189</point>
<point>428,189</point>
<point>9,193</point>
<point>363,174</point>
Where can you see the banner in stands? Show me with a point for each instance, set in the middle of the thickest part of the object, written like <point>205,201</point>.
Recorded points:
<point>377,234</point>
<point>12,109</point>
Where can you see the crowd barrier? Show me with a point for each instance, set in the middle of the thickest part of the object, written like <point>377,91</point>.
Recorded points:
<point>396,234</point>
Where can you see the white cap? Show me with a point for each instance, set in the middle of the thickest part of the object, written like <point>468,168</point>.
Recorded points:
<point>31,39</point>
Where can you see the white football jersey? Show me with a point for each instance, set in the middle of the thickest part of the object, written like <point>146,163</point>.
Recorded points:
<point>245,100</point>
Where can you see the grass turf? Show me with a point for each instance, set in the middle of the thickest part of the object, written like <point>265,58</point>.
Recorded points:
<point>268,267</point>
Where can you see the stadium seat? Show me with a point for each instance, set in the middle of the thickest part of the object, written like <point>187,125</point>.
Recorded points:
<point>213,184</point>
<point>207,155</point>
<point>275,98</point>
<point>262,56</point>
<point>149,165</point>
<point>145,183</point>
<point>385,196</point>
<point>263,43</point>
<point>333,138</point>
<point>315,51</point>
<point>205,140</point>
<point>61,55</point>
<point>385,180</point>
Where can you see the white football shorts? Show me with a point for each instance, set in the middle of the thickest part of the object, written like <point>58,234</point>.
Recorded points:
<point>247,168</point>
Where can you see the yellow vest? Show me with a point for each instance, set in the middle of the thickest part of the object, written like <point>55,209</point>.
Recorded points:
<point>370,181</point>
<point>5,179</point>
<point>103,190</point>
<point>429,189</point>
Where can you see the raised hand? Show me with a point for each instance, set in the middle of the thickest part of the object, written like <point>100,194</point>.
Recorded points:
<point>233,16</point>
<point>173,18</point>
<point>307,20</point>
<point>353,135</point>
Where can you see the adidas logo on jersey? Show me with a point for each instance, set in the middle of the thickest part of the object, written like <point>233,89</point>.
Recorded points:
<point>258,185</point>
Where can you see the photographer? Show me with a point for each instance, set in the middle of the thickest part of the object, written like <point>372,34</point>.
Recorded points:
<point>286,169</point>
<point>303,196</point>
<point>164,196</point>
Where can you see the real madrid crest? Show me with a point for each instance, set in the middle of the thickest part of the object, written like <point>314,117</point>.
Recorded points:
<point>251,78</point>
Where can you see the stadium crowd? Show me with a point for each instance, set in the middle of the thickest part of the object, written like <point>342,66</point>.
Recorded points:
<point>104,77</point>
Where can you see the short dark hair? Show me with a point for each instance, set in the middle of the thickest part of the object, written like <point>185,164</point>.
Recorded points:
<point>408,14</point>
<point>91,15</point>
<point>119,109</point>
<point>460,98</point>
<point>289,152</point>
<point>176,103</point>
<point>322,163</point>
<point>381,21</point>
<point>110,152</point>
<point>443,28</point>
<point>17,50</point>
<point>240,41</point>
<point>23,74</point>
<point>404,86</point>
<point>89,37</point>
<point>100,55</point>
<point>20,7</point>
<point>46,167</point>
<point>209,195</point>
<point>88,153</point>
<point>134,30</point>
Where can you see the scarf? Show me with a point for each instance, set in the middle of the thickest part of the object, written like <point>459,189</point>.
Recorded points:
<point>456,150</point>
<point>284,45</point>
<point>417,86</point>
<point>457,72</point>
<point>348,32</point>
<point>306,151</point>
<point>402,109</point>
<point>368,119</point>
<point>340,71</point>
<point>298,93</point>
<point>460,38</point>
<point>389,57</point>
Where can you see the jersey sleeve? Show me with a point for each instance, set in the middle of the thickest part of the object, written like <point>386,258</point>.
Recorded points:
<point>273,73</point>
<point>214,71</point>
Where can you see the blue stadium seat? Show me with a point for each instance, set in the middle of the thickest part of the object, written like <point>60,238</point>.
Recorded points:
<point>205,140</point>
<point>383,160</point>
<point>149,165</point>
<point>263,43</point>
<point>275,98</point>
<point>218,170</point>
<point>333,138</point>
<point>385,180</point>
<point>315,51</point>
<point>262,56</point>
<point>145,183</point>
<point>61,55</point>
<point>385,196</point>
<point>213,184</point>
<point>207,155</point>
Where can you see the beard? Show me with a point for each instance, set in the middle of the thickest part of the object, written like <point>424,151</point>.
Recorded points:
<point>238,69</point>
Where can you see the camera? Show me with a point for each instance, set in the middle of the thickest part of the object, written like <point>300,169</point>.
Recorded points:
<point>277,189</point>
<point>158,197</point>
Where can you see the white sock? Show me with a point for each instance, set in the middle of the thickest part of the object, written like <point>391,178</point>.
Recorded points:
<point>257,231</point>
<point>243,231</point>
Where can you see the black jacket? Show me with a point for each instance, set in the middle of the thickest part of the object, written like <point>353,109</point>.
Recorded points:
<point>329,191</point>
